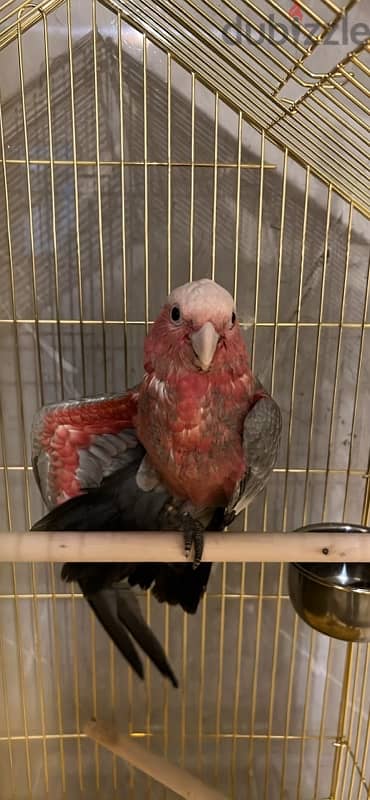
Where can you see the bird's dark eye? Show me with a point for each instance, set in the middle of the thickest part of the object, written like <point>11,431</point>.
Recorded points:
<point>233,319</point>
<point>175,314</point>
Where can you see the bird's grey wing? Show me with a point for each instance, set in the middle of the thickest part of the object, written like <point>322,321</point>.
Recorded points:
<point>261,439</point>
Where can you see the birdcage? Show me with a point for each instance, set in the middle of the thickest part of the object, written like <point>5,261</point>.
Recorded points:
<point>143,144</point>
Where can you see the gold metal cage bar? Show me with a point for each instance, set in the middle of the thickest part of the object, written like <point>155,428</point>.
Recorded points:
<point>143,144</point>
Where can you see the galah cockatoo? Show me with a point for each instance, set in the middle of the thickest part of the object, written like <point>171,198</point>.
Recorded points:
<point>188,448</point>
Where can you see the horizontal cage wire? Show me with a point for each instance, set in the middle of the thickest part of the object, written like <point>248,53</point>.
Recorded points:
<point>140,148</point>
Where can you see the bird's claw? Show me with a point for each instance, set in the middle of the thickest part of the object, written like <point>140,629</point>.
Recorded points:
<point>174,518</point>
<point>198,540</point>
<point>229,517</point>
<point>193,535</point>
<point>188,541</point>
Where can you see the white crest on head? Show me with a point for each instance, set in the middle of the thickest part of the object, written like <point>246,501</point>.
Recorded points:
<point>202,300</point>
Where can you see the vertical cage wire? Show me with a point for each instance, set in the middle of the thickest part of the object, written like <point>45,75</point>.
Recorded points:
<point>195,193</point>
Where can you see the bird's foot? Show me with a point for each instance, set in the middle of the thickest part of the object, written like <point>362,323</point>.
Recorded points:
<point>193,535</point>
<point>229,517</point>
<point>177,517</point>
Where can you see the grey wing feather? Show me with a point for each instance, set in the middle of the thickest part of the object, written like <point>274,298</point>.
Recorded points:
<point>101,460</point>
<point>261,439</point>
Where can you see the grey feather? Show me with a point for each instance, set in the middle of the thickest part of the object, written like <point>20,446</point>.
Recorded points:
<point>100,453</point>
<point>108,445</point>
<point>128,437</point>
<point>111,443</point>
<point>89,471</point>
<point>261,439</point>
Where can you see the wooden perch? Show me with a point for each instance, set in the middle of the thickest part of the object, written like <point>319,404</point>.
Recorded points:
<point>169,547</point>
<point>178,780</point>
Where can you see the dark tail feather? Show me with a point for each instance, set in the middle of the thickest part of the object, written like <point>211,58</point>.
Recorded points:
<point>130,615</point>
<point>118,611</point>
<point>104,605</point>
<point>93,576</point>
<point>174,583</point>
<point>114,606</point>
<point>181,583</point>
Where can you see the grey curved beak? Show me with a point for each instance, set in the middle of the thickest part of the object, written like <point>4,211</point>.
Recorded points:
<point>204,343</point>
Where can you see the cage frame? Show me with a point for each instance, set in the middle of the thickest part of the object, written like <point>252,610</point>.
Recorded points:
<point>17,545</point>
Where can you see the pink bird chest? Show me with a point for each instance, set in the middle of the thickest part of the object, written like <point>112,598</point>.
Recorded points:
<point>191,428</point>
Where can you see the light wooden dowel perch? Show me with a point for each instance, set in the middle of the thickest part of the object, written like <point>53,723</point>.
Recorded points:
<point>169,547</point>
<point>178,780</point>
